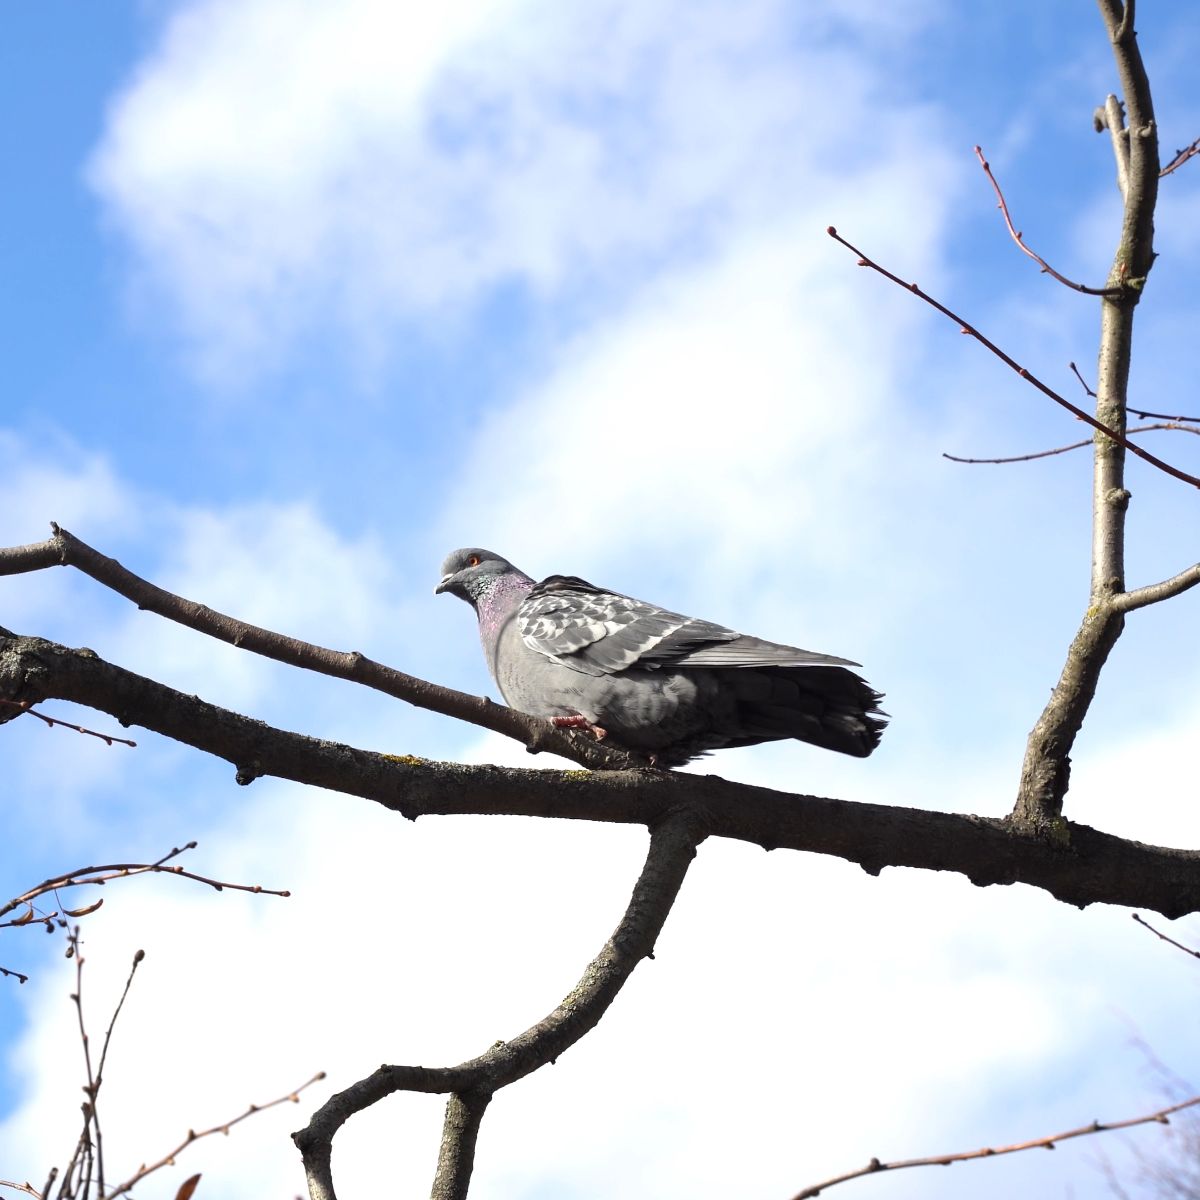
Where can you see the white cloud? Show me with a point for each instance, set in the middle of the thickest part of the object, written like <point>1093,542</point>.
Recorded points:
<point>280,169</point>
<point>798,1016</point>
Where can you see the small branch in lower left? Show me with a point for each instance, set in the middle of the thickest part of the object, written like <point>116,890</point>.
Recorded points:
<point>23,706</point>
<point>98,876</point>
<point>168,1159</point>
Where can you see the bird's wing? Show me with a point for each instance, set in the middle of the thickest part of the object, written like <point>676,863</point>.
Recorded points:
<point>598,633</point>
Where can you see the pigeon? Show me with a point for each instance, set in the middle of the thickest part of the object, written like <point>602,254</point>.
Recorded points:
<point>664,685</point>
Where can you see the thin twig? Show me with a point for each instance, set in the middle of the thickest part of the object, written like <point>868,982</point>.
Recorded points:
<point>99,876</point>
<point>875,1167</point>
<point>107,872</point>
<point>1159,934</point>
<point>91,1121</point>
<point>24,706</point>
<point>1082,381</point>
<point>1142,415</point>
<point>168,1159</point>
<point>1019,238</point>
<point>1016,458</point>
<point>1181,156</point>
<point>967,328</point>
<point>138,956</point>
<point>25,1187</point>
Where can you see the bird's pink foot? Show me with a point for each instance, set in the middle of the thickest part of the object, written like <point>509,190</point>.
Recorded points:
<point>580,722</point>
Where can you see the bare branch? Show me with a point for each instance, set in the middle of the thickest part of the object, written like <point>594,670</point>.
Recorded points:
<point>672,847</point>
<point>875,1167</point>
<point>168,1159</point>
<point>15,560</point>
<point>1169,940</point>
<point>456,1154</point>
<point>1112,117</point>
<point>1181,156</point>
<point>534,733</point>
<point>1080,866</point>
<point>1142,416</point>
<point>1046,766</point>
<point>23,707</point>
<point>1152,593</point>
<point>1019,238</point>
<point>1082,381</point>
<point>99,875</point>
<point>25,1187</point>
<point>1018,458</point>
<point>967,328</point>
<point>138,958</point>
<point>1141,413</point>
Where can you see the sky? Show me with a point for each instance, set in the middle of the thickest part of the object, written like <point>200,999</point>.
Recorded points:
<point>300,296</point>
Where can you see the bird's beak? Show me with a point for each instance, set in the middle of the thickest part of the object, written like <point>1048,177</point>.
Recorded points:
<point>443,585</point>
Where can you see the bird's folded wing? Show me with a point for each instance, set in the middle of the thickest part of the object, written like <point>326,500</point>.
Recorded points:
<point>597,632</point>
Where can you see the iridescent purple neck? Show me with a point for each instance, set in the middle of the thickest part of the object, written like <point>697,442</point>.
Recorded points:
<point>498,603</point>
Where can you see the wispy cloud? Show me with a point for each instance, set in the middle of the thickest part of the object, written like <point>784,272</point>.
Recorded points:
<point>278,170</point>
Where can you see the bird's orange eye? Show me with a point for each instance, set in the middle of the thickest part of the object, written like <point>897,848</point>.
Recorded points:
<point>473,560</point>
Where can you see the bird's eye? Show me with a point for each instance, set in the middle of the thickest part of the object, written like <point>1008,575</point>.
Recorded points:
<point>473,560</point>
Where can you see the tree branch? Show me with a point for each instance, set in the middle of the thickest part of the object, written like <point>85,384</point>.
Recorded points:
<point>1114,433</point>
<point>874,1167</point>
<point>673,845</point>
<point>456,1155</point>
<point>1111,116</point>
<point>1163,937</point>
<point>1078,865</point>
<point>1046,767</point>
<point>1181,156</point>
<point>1019,238</point>
<point>169,1158</point>
<point>1152,593</point>
<point>1019,458</point>
<point>536,734</point>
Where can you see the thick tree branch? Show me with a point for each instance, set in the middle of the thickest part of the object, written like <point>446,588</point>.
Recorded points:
<point>1077,865</point>
<point>456,1154</point>
<point>672,847</point>
<point>1045,771</point>
<point>536,734</point>
<point>1152,593</point>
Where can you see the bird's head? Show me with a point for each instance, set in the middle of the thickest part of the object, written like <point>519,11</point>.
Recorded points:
<point>472,573</point>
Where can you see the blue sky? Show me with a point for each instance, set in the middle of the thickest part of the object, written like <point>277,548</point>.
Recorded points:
<point>299,297</point>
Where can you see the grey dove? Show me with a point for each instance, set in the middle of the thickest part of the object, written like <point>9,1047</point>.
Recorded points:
<point>669,686</point>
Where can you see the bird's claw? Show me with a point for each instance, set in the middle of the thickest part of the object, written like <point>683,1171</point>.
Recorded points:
<point>580,722</point>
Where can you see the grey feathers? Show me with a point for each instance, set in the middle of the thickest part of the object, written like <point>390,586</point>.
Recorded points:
<point>670,686</point>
